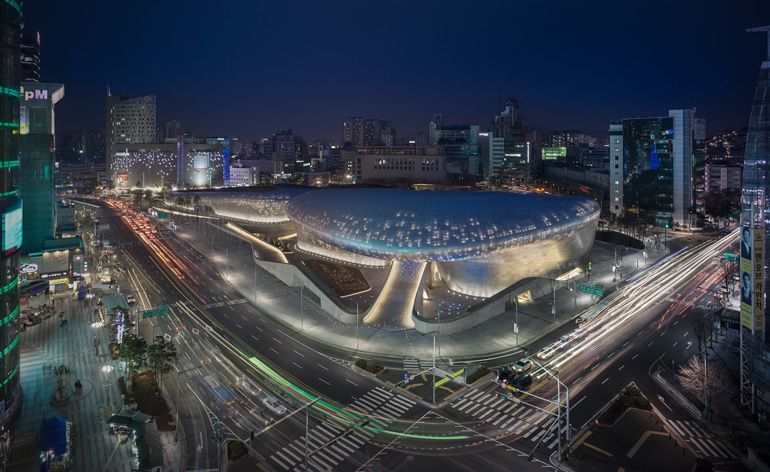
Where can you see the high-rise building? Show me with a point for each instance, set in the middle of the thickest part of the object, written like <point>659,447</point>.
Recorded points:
<point>492,153</point>
<point>720,176</point>
<point>291,150</point>
<point>172,129</point>
<point>372,132</point>
<point>10,210</point>
<point>387,133</point>
<point>509,125</point>
<point>755,231</point>
<point>30,57</point>
<point>89,144</point>
<point>651,161</point>
<point>460,147</point>
<point>353,131</point>
<point>128,121</point>
<point>36,144</point>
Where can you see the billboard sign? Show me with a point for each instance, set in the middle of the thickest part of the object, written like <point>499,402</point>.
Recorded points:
<point>553,153</point>
<point>122,179</point>
<point>752,278</point>
<point>12,223</point>
<point>201,162</point>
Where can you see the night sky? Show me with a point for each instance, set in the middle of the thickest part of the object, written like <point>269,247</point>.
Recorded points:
<point>248,68</point>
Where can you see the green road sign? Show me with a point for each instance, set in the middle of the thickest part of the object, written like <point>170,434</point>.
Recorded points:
<point>730,257</point>
<point>597,289</point>
<point>159,311</point>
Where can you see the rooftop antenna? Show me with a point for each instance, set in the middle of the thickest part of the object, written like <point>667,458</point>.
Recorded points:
<point>762,29</point>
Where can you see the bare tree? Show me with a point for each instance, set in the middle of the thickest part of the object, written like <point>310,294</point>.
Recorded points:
<point>703,380</point>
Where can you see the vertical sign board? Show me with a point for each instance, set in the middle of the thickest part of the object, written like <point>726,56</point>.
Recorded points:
<point>752,278</point>
<point>758,291</point>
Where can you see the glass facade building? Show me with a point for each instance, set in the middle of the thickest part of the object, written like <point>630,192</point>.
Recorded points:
<point>10,208</point>
<point>36,183</point>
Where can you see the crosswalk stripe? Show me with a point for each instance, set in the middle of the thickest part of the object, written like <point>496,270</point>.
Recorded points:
<point>322,431</point>
<point>529,431</point>
<point>467,405</point>
<point>398,407</point>
<point>474,407</point>
<point>332,454</point>
<point>324,457</point>
<point>696,428</point>
<point>389,409</point>
<point>518,410</point>
<point>378,395</point>
<point>298,452</point>
<point>347,445</point>
<point>275,459</point>
<point>294,456</point>
<point>283,457</point>
<point>370,404</point>
<point>474,394</point>
<point>498,420</point>
<point>675,427</point>
<point>493,416</point>
<point>316,465</point>
<point>486,413</point>
<point>402,399</point>
<point>704,447</point>
<point>553,443</point>
<point>490,399</point>
<point>722,448</point>
<point>515,426</point>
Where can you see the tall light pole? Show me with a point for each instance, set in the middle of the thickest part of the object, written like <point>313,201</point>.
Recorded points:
<point>559,386</point>
<point>357,322</point>
<point>516,320</point>
<point>301,307</point>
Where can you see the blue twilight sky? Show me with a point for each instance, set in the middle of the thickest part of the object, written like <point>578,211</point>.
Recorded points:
<point>248,68</point>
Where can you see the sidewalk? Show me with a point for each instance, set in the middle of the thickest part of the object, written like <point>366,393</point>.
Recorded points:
<point>49,344</point>
<point>232,257</point>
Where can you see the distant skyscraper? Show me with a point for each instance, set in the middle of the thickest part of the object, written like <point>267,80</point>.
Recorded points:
<point>509,125</point>
<point>353,131</point>
<point>755,244</point>
<point>10,210</point>
<point>128,121</point>
<point>460,146</point>
<point>290,149</point>
<point>372,132</point>
<point>172,129</point>
<point>30,57</point>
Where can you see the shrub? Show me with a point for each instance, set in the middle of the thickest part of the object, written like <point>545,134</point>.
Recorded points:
<point>477,375</point>
<point>361,364</point>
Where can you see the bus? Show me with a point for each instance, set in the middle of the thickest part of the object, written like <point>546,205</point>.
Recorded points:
<point>216,389</point>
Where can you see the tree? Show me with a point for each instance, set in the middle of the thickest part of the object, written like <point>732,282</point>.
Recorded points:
<point>133,351</point>
<point>704,381</point>
<point>161,356</point>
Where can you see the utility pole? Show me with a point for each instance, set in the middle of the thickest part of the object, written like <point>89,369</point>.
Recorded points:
<point>516,321</point>
<point>301,307</point>
<point>357,322</point>
<point>434,367</point>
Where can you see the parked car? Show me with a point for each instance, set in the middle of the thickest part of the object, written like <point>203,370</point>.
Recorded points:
<point>503,376</point>
<point>273,404</point>
<point>522,365</point>
<point>130,299</point>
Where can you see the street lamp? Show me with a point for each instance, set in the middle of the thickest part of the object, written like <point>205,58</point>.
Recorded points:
<point>560,385</point>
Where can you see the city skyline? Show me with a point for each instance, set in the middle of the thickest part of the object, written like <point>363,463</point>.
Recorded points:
<point>258,73</point>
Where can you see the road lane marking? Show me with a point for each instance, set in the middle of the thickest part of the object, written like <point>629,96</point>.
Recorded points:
<point>605,380</point>
<point>239,326</point>
<point>255,338</point>
<point>595,366</point>
<point>675,322</point>
<point>578,402</point>
<point>621,367</point>
<point>664,332</point>
<point>351,382</point>
<point>675,344</point>
<point>298,353</point>
<point>296,364</point>
<point>277,340</point>
<point>625,343</point>
<point>685,334</point>
<point>651,343</point>
<point>321,366</point>
<point>635,356</point>
<point>274,351</point>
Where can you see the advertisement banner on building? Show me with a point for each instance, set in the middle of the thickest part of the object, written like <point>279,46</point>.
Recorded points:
<point>12,223</point>
<point>201,162</point>
<point>553,153</point>
<point>752,278</point>
<point>122,179</point>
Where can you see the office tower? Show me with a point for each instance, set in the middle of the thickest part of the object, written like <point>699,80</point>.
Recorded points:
<point>460,146</point>
<point>172,129</point>
<point>30,57</point>
<point>492,153</point>
<point>372,132</point>
<point>387,133</point>
<point>353,131</point>
<point>37,149</point>
<point>651,161</point>
<point>89,144</point>
<point>755,230</point>
<point>721,176</point>
<point>291,150</point>
<point>128,121</point>
<point>509,125</point>
<point>10,209</point>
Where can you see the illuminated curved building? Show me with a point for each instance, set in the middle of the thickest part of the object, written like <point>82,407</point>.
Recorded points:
<point>255,205</point>
<point>480,242</point>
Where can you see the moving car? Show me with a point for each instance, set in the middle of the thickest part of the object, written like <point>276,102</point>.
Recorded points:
<point>259,415</point>
<point>522,365</point>
<point>273,404</point>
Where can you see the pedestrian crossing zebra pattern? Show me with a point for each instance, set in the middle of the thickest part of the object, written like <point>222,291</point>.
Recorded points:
<point>510,415</point>
<point>334,441</point>
<point>701,440</point>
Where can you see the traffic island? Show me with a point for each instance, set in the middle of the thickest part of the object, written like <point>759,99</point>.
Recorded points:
<point>629,435</point>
